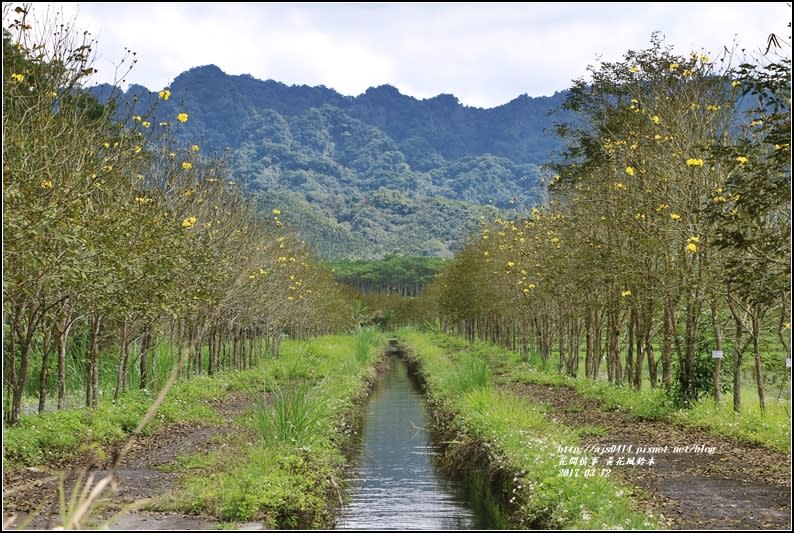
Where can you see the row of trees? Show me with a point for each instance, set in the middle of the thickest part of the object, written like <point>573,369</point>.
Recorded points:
<point>667,228</point>
<point>117,236</point>
<point>405,276</point>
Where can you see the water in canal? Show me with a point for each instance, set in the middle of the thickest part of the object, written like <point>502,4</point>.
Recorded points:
<point>395,485</point>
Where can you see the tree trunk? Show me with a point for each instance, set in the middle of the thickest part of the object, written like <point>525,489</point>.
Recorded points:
<point>648,343</point>
<point>25,336</point>
<point>144,357</point>
<point>45,361</point>
<point>692,312</point>
<point>613,345</point>
<point>92,383</point>
<point>758,314</point>
<point>667,343</point>
<point>63,326</point>
<point>715,324</point>
<point>121,375</point>
<point>632,330</point>
<point>737,357</point>
<point>588,343</point>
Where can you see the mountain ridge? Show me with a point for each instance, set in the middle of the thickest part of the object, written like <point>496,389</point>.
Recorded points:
<point>368,166</point>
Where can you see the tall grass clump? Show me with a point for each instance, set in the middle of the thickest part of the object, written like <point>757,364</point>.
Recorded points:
<point>365,340</point>
<point>293,414</point>
<point>471,373</point>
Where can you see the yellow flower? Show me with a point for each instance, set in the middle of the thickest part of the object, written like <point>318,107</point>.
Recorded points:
<point>189,222</point>
<point>657,137</point>
<point>741,159</point>
<point>187,165</point>
<point>276,212</point>
<point>781,146</point>
<point>713,107</point>
<point>19,78</point>
<point>182,117</point>
<point>146,124</point>
<point>531,286</point>
<point>510,264</point>
<point>136,149</point>
<point>675,216</point>
<point>165,94</point>
<point>786,325</point>
<point>694,106</point>
<point>634,69</point>
<point>46,184</point>
<point>655,119</point>
<point>693,238</point>
<point>195,148</point>
<point>625,294</point>
<point>630,171</point>
<point>662,207</point>
<point>735,83</point>
<point>694,162</point>
<point>756,122</point>
<point>485,253</point>
<point>691,247</point>
<point>705,59</point>
<point>687,73</point>
<point>619,186</point>
<point>164,124</point>
<point>673,67</point>
<point>136,118</point>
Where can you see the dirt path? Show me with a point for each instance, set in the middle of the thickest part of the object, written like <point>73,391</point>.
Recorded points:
<point>737,486</point>
<point>31,494</point>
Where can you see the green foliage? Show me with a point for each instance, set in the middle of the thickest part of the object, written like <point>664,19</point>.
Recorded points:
<point>471,373</point>
<point>770,427</point>
<point>370,176</point>
<point>293,414</point>
<point>58,435</point>
<point>521,444</point>
<point>286,472</point>
<point>406,276</point>
<point>366,340</point>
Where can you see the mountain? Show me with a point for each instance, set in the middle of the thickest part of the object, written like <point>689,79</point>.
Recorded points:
<point>378,174</point>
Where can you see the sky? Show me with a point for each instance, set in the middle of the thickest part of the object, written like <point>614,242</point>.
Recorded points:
<point>485,54</point>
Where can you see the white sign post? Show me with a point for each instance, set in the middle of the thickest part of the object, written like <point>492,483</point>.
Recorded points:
<point>716,354</point>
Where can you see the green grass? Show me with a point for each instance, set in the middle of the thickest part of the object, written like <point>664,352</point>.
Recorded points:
<point>294,415</point>
<point>520,443</point>
<point>55,435</point>
<point>282,464</point>
<point>772,428</point>
<point>282,461</point>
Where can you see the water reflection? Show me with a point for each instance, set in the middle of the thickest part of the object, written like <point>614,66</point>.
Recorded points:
<point>395,485</point>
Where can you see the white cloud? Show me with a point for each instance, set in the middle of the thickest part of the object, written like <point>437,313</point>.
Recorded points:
<point>486,54</point>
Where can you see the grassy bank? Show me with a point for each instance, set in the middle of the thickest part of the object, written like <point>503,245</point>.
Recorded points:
<point>771,428</point>
<point>59,435</point>
<point>281,460</point>
<point>513,441</point>
<point>282,464</point>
